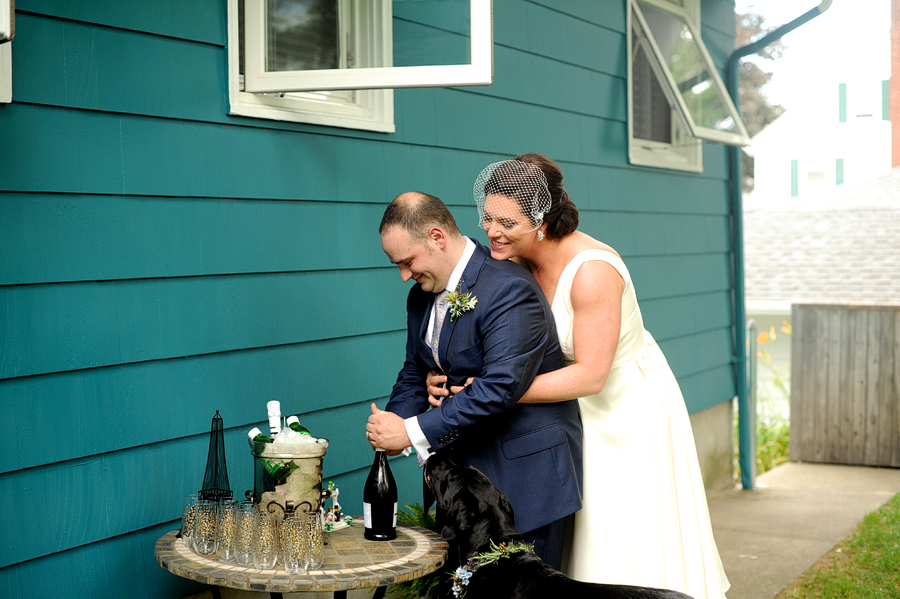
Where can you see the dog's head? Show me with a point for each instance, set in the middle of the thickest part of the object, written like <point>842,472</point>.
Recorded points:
<point>470,510</point>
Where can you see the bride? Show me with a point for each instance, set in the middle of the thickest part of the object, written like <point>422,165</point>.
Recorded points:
<point>645,519</point>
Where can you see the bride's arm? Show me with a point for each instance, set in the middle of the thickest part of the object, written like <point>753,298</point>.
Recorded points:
<point>597,306</point>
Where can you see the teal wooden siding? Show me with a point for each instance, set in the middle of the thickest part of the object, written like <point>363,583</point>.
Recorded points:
<point>161,260</point>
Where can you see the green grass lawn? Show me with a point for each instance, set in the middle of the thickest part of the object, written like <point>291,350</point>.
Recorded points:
<point>865,565</point>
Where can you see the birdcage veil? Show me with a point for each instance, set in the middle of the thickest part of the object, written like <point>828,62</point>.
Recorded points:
<point>525,196</point>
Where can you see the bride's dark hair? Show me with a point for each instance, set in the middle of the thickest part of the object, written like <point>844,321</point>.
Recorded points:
<point>562,218</point>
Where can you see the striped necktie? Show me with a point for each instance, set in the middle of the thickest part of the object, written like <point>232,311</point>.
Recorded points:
<point>440,305</point>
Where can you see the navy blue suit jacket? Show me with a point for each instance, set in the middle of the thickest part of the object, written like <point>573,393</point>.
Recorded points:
<point>532,452</point>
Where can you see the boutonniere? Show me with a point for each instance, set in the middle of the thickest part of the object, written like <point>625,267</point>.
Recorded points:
<point>460,302</point>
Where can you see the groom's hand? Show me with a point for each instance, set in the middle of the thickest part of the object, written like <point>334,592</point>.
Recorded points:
<point>387,431</point>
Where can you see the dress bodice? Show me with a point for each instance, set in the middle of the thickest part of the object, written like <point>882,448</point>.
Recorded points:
<point>631,333</point>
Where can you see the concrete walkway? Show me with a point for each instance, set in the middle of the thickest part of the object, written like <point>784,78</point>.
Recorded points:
<point>767,537</point>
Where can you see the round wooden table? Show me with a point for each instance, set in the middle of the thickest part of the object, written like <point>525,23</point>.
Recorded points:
<point>351,562</point>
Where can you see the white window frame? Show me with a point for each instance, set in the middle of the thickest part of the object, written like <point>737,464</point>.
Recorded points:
<point>685,151</point>
<point>7,20</point>
<point>371,110</point>
<point>308,96</point>
<point>480,71</point>
<point>6,73</point>
<point>7,32</point>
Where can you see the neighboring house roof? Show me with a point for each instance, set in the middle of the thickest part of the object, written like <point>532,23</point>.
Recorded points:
<point>842,247</point>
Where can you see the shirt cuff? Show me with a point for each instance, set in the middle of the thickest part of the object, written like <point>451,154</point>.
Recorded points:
<point>417,438</point>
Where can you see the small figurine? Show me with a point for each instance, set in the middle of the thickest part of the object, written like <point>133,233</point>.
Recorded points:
<point>335,492</point>
<point>334,518</point>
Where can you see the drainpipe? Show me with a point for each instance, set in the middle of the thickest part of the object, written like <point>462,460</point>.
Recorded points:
<point>746,432</point>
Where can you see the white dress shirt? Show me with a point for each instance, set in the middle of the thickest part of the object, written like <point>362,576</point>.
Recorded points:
<point>413,430</point>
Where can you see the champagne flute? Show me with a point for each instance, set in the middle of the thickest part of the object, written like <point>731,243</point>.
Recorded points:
<point>265,541</point>
<point>204,537</point>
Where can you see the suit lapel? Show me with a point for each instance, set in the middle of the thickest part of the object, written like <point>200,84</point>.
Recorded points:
<point>466,283</point>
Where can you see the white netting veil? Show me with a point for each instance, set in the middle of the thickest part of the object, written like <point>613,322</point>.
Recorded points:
<point>513,194</point>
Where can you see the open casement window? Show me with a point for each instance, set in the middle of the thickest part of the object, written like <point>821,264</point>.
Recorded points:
<point>676,97</point>
<point>7,20</point>
<point>6,73</point>
<point>335,62</point>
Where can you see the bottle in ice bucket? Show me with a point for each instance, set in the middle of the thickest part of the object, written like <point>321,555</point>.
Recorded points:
<point>273,408</point>
<point>294,424</point>
<point>277,470</point>
<point>256,435</point>
<point>380,501</point>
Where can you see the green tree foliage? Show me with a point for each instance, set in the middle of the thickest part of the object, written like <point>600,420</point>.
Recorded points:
<point>756,110</point>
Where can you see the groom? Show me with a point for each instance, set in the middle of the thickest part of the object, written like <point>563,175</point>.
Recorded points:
<point>503,336</point>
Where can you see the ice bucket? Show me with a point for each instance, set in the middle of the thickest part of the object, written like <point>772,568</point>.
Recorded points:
<point>284,472</point>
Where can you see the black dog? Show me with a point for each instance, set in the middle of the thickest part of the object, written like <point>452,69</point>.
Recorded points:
<point>472,514</point>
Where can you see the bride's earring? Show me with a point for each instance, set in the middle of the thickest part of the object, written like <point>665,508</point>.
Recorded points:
<point>540,236</point>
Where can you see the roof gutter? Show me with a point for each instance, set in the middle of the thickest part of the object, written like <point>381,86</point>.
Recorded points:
<point>746,416</point>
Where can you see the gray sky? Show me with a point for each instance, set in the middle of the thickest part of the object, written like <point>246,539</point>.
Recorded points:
<point>849,41</point>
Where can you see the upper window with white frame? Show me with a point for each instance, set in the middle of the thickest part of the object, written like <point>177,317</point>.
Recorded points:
<point>676,97</point>
<point>5,73</point>
<point>335,62</point>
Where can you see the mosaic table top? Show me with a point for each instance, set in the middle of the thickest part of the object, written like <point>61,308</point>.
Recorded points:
<point>351,562</point>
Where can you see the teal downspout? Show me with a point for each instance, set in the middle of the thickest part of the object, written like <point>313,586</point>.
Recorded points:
<point>745,433</point>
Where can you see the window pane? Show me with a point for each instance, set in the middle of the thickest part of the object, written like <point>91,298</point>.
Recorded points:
<point>302,35</point>
<point>381,44</point>
<point>685,62</point>
<point>650,110</point>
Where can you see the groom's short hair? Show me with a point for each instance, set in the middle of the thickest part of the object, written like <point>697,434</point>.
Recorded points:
<point>416,212</point>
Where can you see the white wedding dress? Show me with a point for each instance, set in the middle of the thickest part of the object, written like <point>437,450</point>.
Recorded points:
<point>645,519</point>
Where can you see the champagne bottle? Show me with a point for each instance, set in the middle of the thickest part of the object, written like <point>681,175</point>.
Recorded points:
<point>380,501</point>
<point>294,423</point>
<point>256,435</point>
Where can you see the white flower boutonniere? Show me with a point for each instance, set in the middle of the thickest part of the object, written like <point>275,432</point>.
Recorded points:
<point>460,302</point>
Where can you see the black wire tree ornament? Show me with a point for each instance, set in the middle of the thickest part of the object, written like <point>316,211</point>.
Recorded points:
<point>215,480</point>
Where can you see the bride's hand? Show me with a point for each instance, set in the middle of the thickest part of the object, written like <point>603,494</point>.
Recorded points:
<point>436,393</point>
<point>454,390</point>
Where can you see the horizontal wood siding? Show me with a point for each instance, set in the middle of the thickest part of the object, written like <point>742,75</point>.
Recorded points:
<point>845,384</point>
<point>161,259</point>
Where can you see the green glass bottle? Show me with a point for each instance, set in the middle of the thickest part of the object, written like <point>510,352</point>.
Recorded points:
<point>257,436</point>
<point>294,424</point>
<point>277,470</point>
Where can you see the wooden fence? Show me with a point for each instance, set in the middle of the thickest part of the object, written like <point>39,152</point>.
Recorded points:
<point>845,363</point>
